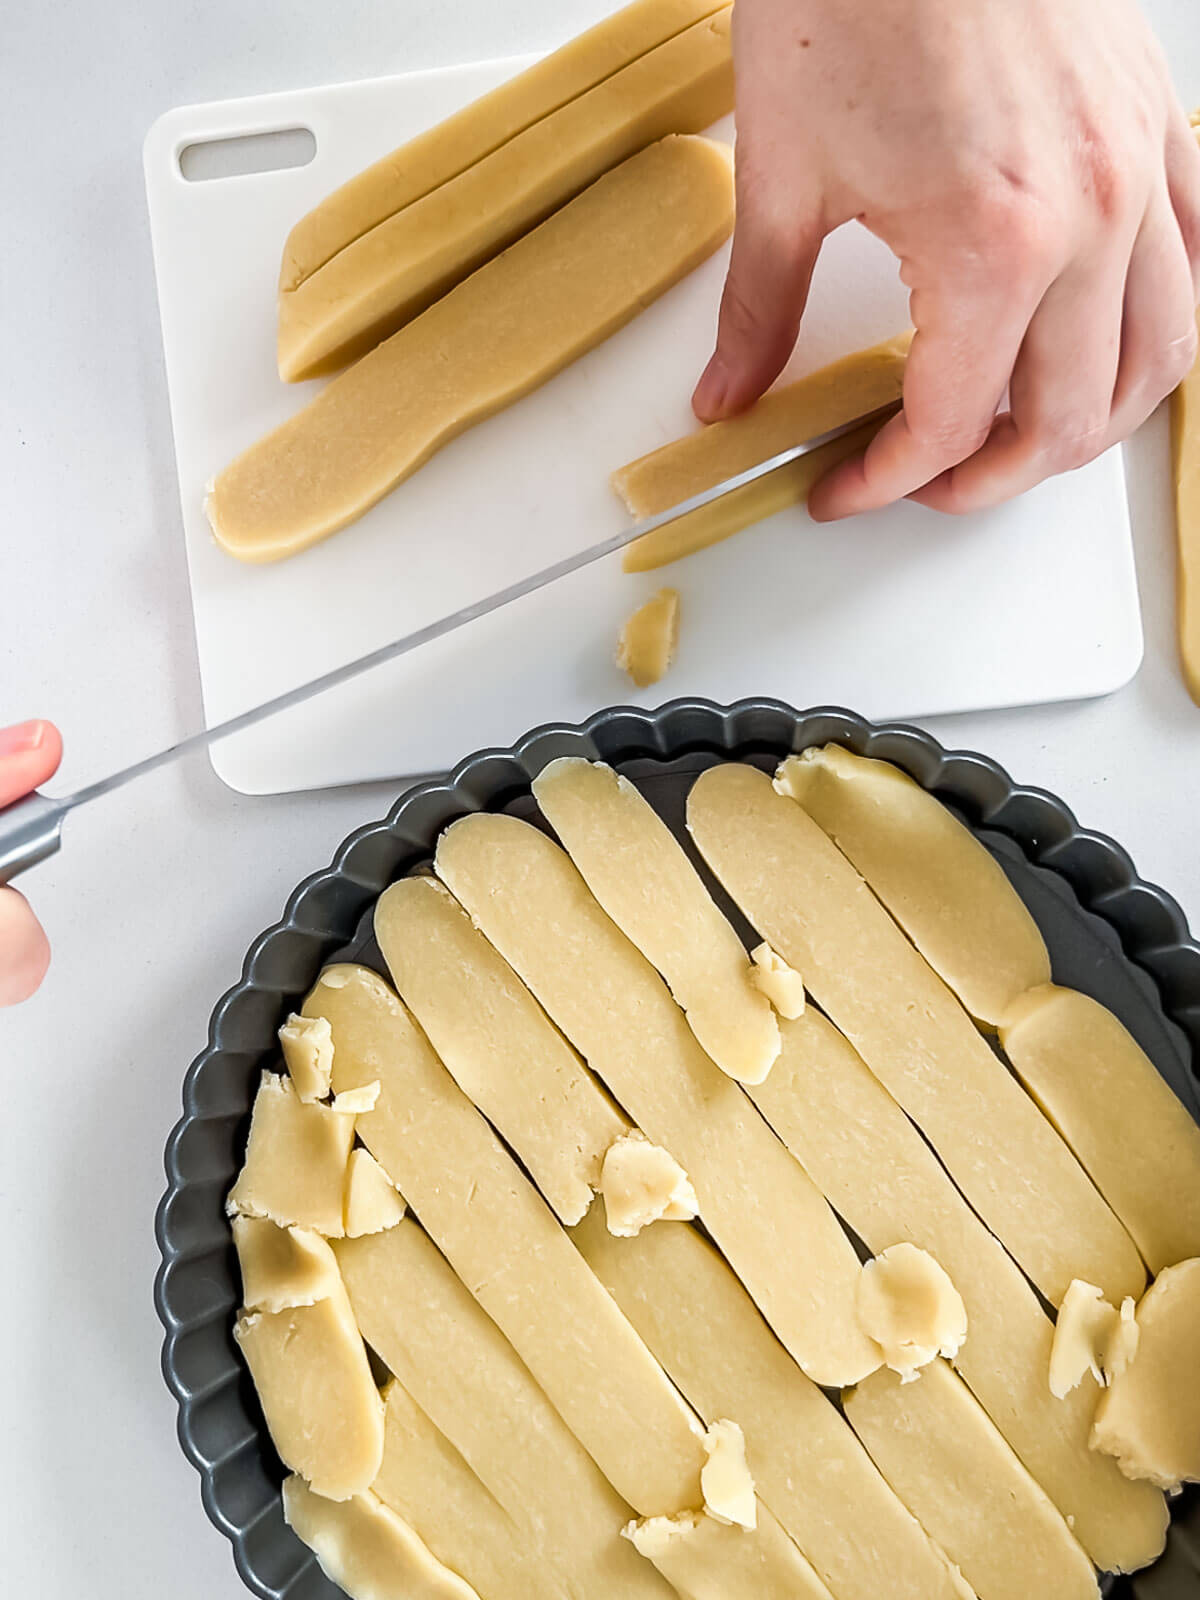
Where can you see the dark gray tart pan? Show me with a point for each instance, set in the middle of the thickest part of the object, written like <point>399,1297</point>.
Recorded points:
<point>1124,941</point>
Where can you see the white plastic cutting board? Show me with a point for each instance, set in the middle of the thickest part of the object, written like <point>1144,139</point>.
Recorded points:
<point>899,614</point>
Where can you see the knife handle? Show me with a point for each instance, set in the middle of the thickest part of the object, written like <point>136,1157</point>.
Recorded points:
<point>30,830</point>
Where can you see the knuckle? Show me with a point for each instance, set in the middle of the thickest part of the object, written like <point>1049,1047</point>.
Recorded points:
<point>1073,442</point>
<point>1007,220</point>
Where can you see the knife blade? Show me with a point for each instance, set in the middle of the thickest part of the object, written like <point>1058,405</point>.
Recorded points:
<point>31,828</point>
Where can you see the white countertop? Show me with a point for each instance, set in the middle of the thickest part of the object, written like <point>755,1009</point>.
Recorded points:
<point>158,894</point>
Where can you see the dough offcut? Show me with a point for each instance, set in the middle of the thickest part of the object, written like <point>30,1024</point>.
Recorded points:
<point>550,297</point>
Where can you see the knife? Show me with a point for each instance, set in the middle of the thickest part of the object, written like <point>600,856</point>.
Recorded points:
<point>31,828</point>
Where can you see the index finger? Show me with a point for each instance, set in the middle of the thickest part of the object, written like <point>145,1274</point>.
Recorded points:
<point>29,754</point>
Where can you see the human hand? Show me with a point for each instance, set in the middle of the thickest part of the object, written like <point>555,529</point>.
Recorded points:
<point>29,755</point>
<point>1029,164</point>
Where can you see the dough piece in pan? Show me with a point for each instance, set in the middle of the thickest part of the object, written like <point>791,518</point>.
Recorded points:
<point>372,1202</point>
<point>505,1244</point>
<point>809,1468</point>
<point>908,1304</point>
<point>850,388</point>
<point>440,153</point>
<point>295,1169</point>
<point>282,1267</point>
<point>308,1055</point>
<point>400,268</point>
<point>942,886</point>
<point>769,1219</point>
<point>704,1559</point>
<point>806,899</point>
<point>497,1042</point>
<point>504,331</point>
<point>637,870</point>
<point>884,1180</point>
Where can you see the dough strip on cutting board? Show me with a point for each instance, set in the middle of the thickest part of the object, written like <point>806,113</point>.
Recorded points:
<point>808,1465</point>
<point>806,899</point>
<point>440,153</point>
<point>771,1222</point>
<point>497,1042</point>
<point>884,1180</point>
<point>505,1244</point>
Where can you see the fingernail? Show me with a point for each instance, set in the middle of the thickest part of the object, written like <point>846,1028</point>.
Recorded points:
<point>21,739</point>
<point>710,393</point>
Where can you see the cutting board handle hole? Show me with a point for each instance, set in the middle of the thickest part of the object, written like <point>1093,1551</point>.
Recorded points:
<point>275,151</point>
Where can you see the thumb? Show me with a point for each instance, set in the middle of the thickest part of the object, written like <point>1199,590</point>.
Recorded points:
<point>29,755</point>
<point>766,289</point>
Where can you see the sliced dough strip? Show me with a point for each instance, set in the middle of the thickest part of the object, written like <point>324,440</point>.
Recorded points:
<point>637,870</point>
<point>942,886</point>
<point>770,1221</point>
<point>704,1559</point>
<point>809,1468</point>
<point>936,1447</point>
<point>1121,1118</point>
<point>806,899</point>
<point>497,1042</point>
<point>400,268</point>
<point>505,1244</point>
<point>884,1180</point>
<point>440,153</point>
<point>523,317</point>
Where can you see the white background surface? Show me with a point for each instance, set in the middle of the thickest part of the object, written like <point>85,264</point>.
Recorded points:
<point>157,895</point>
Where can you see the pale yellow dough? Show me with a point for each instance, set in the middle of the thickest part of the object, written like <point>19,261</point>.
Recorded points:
<point>314,1383</point>
<point>450,147</point>
<point>704,1559</point>
<point>725,1477</point>
<point>466,1378</point>
<point>282,1267</point>
<point>643,1183</point>
<point>1090,1336</point>
<point>1119,1115</point>
<point>782,985</point>
<point>372,1203</point>
<point>942,886</point>
<point>909,1306</point>
<point>366,1549</point>
<point>398,269</point>
<point>424,1480</point>
<point>637,870</point>
<point>296,1156</point>
<point>810,1469</point>
<point>837,1119</point>
<point>308,1055</point>
<point>515,323</point>
<point>506,1245</point>
<point>806,899</point>
<point>938,1450</point>
<point>788,1248</point>
<point>353,1102</point>
<point>1149,1416</point>
<point>647,642</point>
<point>850,388</point>
<point>497,1042</point>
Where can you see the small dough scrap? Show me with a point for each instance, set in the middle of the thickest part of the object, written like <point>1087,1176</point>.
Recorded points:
<point>909,1306</point>
<point>296,1157</point>
<point>308,1055</point>
<point>497,1042</point>
<point>282,1267</point>
<point>943,887</point>
<point>1091,1336</point>
<point>853,387</point>
<point>366,1549</point>
<point>356,1102</point>
<point>647,643</point>
<point>440,153</point>
<point>800,893</point>
<point>704,1559</point>
<point>1105,1096</point>
<point>643,1183</point>
<point>725,1478</point>
<point>411,260</point>
<point>639,872</point>
<point>951,1467</point>
<point>1149,1416</point>
<point>372,1201</point>
<point>555,294</point>
<point>314,1383</point>
<point>782,985</point>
